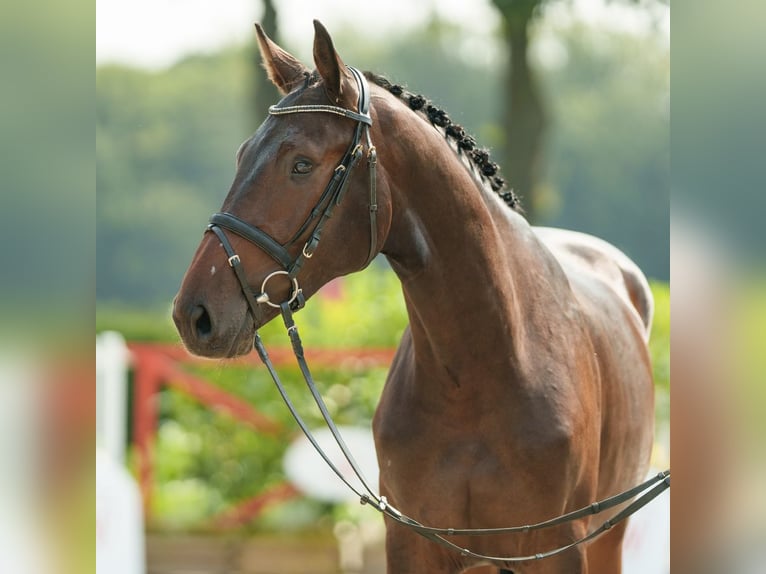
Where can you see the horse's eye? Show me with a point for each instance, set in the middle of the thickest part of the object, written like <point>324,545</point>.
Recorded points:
<point>302,167</point>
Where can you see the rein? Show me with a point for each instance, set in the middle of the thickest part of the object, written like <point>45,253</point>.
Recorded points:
<point>322,211</point>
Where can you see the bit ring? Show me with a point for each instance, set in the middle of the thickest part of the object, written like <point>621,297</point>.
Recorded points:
<point>264,298</point>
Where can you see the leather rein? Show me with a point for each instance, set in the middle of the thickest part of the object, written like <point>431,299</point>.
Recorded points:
<point>322,211</point>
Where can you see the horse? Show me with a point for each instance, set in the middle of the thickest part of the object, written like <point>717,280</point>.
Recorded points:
<point>521,388</point>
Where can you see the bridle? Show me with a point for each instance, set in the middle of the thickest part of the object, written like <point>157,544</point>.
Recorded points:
<point>322,211</point>
<point>320,214</point>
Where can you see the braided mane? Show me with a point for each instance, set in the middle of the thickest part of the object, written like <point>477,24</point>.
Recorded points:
<point>465,144</point>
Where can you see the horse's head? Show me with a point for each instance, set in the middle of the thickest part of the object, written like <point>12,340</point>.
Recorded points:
<point>291,176</point>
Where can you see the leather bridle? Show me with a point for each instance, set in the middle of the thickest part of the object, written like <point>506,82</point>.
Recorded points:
<point>319,215</point>
<point>322,211</point>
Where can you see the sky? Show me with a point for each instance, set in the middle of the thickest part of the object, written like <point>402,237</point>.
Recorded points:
<point>156,33</point>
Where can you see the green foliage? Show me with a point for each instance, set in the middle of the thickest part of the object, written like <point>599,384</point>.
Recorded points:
<point>366,310</point>
<point>207,461</point>
<point>165,145</point>
<point>659,342</point>
<point>440,64</point>
<point>609,148</point>
<point>210,461</point>
<point>136,324</point>
<point>361,310</point>
<point>659,350</point>
<point>743,359</point>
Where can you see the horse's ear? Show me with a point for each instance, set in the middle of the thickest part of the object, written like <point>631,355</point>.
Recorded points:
<point>328,63</point>
<point>284,70</point>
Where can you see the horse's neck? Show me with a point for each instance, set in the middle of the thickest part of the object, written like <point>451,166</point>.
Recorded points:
<point>461,256</point>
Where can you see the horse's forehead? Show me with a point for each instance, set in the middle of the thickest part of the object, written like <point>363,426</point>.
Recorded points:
<point>311,133</point>
<point>275,133</point>
<point>294,125</point>
<point>313,94</point>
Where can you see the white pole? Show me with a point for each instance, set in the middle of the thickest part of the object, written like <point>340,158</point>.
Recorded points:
<point>112,358</point>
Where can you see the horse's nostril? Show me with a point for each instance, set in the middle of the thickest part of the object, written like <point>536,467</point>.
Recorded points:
<point>201,321</point>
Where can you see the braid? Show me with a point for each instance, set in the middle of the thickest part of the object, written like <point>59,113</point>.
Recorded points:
<point>465,143</point>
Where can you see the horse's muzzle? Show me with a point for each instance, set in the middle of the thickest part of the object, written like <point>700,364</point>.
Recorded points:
<point>206,333</point>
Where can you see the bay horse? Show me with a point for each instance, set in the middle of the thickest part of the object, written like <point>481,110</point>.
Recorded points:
<point>522,387</point>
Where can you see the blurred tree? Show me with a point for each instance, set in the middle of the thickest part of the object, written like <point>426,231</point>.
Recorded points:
<point>608,159</point>
<point>164,149</point>
<point>524,117</point>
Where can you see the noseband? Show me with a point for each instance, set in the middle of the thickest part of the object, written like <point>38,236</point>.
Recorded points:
<point>320,214</point>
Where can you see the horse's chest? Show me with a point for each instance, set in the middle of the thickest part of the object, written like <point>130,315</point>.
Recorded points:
<point>467,453</point>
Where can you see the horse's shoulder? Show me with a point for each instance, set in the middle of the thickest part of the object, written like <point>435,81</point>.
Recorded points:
<point>581,254</point>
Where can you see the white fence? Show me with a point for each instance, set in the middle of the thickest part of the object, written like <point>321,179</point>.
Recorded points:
<point>120,546</point>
